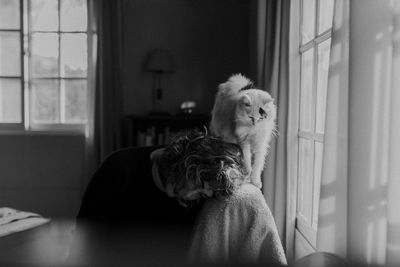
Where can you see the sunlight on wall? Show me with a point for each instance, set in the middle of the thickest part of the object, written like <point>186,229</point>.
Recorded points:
<point>376,232</point>
<point>374,120</point>
<point>376,239</point>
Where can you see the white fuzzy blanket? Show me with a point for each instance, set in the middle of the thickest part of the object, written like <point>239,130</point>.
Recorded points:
<point>239,228</point>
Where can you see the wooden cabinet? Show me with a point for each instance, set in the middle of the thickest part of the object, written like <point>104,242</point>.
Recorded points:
<point>158,130</point>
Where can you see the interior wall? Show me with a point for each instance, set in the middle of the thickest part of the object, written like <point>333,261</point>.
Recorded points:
<point>41,172</point>
<point>371,55</point>
<point>209,41</point>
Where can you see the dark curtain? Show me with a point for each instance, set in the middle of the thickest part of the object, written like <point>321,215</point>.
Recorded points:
<point>104,131</point>
<point>105,105</point>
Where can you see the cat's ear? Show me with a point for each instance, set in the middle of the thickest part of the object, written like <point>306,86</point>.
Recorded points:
<point>244,100</point>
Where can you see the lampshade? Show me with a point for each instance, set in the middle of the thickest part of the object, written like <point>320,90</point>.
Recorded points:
<point>160,60</point>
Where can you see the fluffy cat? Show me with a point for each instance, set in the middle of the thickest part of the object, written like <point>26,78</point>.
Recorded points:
<point>246,116</point>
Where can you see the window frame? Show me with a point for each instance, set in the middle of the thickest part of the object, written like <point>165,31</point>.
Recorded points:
<point>26,80</point>
<point>302,237</point>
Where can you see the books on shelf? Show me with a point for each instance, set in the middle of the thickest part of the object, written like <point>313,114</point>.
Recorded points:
<point>154,137</point>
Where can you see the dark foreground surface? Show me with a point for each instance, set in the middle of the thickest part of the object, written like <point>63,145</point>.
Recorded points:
<point>61,243</point>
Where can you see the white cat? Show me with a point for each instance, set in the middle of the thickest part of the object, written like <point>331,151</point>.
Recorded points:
<point>246,116</point>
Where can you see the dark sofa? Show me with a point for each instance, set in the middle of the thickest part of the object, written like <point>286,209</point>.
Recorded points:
<point>123,207</point>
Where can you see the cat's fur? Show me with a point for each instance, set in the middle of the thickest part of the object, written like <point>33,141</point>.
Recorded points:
<point>246,116</point>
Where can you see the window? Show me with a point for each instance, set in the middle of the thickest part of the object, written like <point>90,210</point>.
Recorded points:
<point>43,63</point>
<point>313,51</point>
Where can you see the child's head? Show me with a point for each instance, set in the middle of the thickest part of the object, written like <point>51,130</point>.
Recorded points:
<point>195,165</point>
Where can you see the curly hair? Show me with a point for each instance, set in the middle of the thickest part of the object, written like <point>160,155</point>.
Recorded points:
<point>195,160</point>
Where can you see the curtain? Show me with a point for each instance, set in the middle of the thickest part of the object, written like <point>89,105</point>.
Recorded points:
<point>360,188</point>
<point>273,76</point>
<point>105,105</point>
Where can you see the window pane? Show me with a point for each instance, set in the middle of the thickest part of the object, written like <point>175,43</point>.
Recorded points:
<point>43,15</point>
<point>308,21</point>
<point>73,55</point>
<point>45,101</point>
<point>306,91</point>
<point>10,100</point>
<point>322,84</point>
<point>75,100</point>
<point>44,55</point>
<point>10,54</point>
<point>9,14</point>
<point>319,149</point>
<point>305,180</point>
<point>73,15</point>
<point>325,15</point>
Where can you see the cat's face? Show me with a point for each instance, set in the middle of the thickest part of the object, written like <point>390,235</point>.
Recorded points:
<point>255,106</point>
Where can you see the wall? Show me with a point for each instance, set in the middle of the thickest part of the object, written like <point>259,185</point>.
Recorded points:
<point>371,55</point>
<point>41,172</point>
<point>208,40</point>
